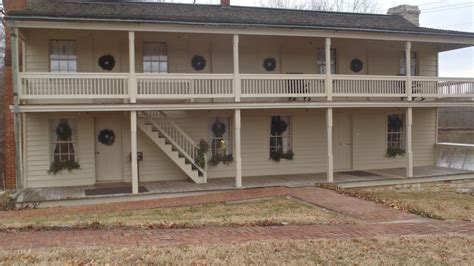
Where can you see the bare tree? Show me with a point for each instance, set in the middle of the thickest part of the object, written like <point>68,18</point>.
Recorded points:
<point>359,6</point>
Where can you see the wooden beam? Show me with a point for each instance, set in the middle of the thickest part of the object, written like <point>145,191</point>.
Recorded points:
<point>409,137</point>
<point>409,87</point>
<point>132,81</point>
<point>237,81</point>
<point>328,69</point>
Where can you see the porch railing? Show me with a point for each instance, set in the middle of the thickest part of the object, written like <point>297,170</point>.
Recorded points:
<point>56,86</point>
<point>73,86</point>
<point>282,85</point>
<point>184,86</point>
<point>454,155</point>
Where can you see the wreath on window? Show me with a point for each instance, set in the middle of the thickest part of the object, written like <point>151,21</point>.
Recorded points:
<point>198,62</point>
<point>107,137</point>
<point>278,126</point>
<point>218,128</point>
<point>357,65</point>
<point>107,62</point>
<point>269,64</point>
<point>63,131</point>
<point>395,122</point>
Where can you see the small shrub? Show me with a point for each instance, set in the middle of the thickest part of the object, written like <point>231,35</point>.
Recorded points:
<point>7,202</point>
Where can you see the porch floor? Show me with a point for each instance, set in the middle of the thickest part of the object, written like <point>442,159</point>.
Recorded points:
<point>187,186</point>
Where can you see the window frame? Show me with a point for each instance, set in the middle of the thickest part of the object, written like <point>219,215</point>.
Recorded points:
<point>227,136</point>
<point>414,64</point>
<point>289,130</point>
<point>159,61</point>
<point>322,62</point>
<point>67,60</point>
<point>402,132</point>
<point>53,123</point>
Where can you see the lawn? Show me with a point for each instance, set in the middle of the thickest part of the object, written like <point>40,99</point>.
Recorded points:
<point>278,210</point>
<point>413,250</point>
<point>445,205</point>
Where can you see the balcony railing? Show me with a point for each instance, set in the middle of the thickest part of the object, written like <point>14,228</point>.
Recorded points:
<point>45,86</point>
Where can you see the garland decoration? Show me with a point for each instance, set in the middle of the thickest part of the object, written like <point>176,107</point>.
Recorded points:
<point>269,64</point>
<point>107,62</point>
<point>198,62</point>
<point>278,155</point>
<point>58,166</point>
<point>107,137</point>
<point>63,136</point>
<point>357,65</point>
<point>394,152</point>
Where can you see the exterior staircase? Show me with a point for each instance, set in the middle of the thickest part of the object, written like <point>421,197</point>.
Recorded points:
<point>174,142</point>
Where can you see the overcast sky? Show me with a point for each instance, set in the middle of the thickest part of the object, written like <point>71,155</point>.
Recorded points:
<point>443,14</point>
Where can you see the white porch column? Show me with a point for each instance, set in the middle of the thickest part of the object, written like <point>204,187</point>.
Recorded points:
<point>329,124</point>
<point>16,100</point>
<point>134,150</point>
<point>409,125</point>
<point>328,69</point>
<point>237,82</point>
<point>132,85</point>
<point>409,87</point>
<point>238,151</point>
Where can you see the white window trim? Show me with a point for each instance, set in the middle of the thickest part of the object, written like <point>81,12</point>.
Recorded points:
<point>290,131</point>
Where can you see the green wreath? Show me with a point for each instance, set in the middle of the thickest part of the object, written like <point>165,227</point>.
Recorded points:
<point>107,137</point>
<point>219,129</point>
<point>63,131</point>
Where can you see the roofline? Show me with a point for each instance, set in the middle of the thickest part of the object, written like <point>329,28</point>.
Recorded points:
<point>139,21</point>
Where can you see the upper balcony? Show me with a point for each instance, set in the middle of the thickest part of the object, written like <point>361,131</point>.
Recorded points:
<point>245,68</point>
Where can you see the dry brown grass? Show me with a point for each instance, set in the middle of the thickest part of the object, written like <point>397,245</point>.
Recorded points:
<point>447,205</point>
<point>413,250</point>
<point>279,210</point>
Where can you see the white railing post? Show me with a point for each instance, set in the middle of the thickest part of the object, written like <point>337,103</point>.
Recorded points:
<point>132,82</point>
<point>409,81</point>
<point>409,144</point>
<point>329,125</point>
<point>328,69</point>
<point>237,80</point>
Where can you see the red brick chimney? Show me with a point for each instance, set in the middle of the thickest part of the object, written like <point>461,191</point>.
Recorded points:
<point>225,3</point>
<point>10,152</point>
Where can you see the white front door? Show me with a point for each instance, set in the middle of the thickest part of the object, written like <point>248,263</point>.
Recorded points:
<point>342,141</point>
<point>108,157</point>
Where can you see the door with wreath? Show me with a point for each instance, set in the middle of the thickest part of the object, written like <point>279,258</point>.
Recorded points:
<point>108,149</point>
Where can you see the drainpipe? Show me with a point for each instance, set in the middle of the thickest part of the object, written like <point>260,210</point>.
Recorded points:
<point>16,114</point>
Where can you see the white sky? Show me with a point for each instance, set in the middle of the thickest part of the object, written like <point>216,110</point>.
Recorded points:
<point>443,14</point>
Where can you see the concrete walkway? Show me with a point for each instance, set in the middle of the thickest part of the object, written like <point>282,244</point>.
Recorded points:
<point>379,221</point>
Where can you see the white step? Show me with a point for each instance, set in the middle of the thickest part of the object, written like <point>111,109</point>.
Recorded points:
<point>167,149</point>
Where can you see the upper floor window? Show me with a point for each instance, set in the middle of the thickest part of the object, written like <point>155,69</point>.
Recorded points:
<point>403,65</point>
<point>280,134</point>
<point>322,61</point>
<point>63,56</point>
<point>155,57</point>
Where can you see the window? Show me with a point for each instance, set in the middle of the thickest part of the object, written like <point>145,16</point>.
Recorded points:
<point>280,134</point>
<point>63,148</point>
<point>322,61</point>
<point>155,57</point>
<point>396,131</point>
<point>403,68</point>
<point>63,56</point>
<point>220,142</point>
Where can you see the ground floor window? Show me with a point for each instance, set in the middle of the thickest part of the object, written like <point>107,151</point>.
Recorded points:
<point>280,137</point>
<point>63,140</point>
<point>395,134</point>
<point>220,141</point>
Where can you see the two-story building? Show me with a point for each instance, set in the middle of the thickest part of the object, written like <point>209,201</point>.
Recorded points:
<point>139,93</point>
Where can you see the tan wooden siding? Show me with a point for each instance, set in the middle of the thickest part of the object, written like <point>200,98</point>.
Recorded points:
<point>309,145</point>
<point>293,55</point>
<point>38,153</point>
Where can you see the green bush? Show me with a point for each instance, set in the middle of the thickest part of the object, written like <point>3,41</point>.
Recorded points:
<point>7,202</point>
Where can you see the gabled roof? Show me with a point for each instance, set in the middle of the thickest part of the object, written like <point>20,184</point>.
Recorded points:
<point>214,14</point>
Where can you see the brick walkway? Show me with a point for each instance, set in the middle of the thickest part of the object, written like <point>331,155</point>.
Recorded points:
<point>380,221</point>
<point>220,235</point>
